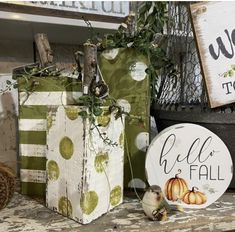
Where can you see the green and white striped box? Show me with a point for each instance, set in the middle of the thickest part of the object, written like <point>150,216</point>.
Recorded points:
<point>35,95</point>
<point>84,174</point>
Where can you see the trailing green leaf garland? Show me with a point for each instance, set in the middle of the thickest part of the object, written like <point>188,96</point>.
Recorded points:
<point>94,109</point>
<point>147,37</point>
<point>93,104</point>
<point>28,73</point>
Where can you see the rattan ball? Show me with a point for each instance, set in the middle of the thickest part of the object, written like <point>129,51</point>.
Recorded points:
<point>7,184</point>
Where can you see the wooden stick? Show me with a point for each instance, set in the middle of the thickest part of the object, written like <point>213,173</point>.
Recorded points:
<point>44,49</point>
<point>90,66</point>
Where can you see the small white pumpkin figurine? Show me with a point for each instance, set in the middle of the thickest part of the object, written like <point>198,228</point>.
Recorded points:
<point>154,204</point>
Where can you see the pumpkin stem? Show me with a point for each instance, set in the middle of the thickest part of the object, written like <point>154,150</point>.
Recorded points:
<point>194,188</point>
<point>179,171</point>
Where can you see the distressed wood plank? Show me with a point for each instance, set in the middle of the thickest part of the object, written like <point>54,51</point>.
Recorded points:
<point>25,214</point>
<point>44,49</point>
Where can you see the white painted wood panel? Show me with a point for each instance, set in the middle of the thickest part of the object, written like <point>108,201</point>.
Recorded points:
<point>84,175</point>
<point>32,124</point>
<point>32,150</point>
<point>36,176</point>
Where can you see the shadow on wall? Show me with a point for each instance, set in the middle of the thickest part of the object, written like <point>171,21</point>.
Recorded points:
<point>8,131</point>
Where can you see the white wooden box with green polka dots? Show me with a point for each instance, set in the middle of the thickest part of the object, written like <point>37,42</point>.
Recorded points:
<point>84,174</point>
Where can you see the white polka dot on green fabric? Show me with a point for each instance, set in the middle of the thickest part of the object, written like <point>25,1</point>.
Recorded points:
<point>126,106</point>
<point>142,141</point>
<point>66,147</point>
<point>110,54</point>
<point>137,71</point>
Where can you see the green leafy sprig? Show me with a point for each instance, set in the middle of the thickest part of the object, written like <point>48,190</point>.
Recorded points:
<point>148,38</point>
<point>230,72</point>
<point>93,108</point>
<point>93,105</point>
<point>27,73</point>
<point>9,86</point>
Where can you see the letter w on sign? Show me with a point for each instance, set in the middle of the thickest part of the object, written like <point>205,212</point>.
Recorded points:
<point>214,30</point>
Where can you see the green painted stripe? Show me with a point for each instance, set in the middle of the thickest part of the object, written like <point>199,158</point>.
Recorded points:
<point>33,189</point>
<point>47,84</point>
<point>32,112</point>
<point>34,163</point>
<point>32,137</point>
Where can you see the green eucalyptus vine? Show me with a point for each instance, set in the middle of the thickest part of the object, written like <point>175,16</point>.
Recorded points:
<point>145,33</point>
<point>27,73</point>
<point>147,36</point>
<point>94,107</point>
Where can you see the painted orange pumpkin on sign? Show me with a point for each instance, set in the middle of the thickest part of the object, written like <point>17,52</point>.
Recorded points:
<point>175,188</point>
<point>194,197</point>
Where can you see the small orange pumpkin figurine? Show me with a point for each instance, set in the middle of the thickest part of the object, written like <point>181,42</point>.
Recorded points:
<point>175,188</point>
<point>194,197</point>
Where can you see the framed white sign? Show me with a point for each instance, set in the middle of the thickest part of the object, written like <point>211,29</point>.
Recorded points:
<point>214,28</point>
<point>105,8</point>
<point>191,164</point>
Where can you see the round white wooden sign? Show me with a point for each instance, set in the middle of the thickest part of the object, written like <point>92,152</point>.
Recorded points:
<point>191,164</point>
